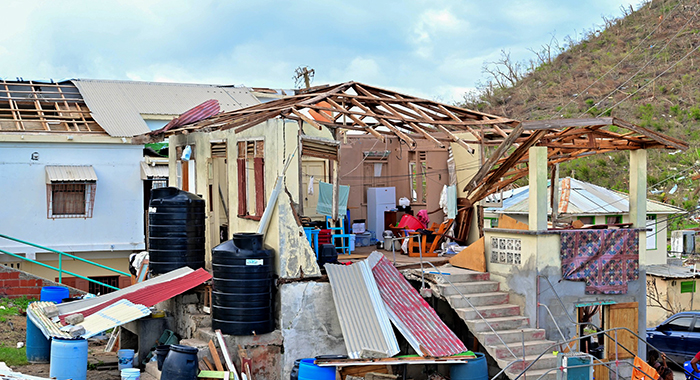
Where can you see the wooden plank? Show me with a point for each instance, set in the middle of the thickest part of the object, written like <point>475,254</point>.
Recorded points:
<point>427,135</point>
<point>215,375</point>
<point>224,352</point>
<point>457,139</point>
<point>488,165</point>
<point>472,257</point>
<point>621,315</point>
<point>306,119</point>
<point>215,356</point>
<point>208,363</point>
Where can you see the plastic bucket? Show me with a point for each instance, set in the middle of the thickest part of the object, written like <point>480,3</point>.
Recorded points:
<point>131,374</point>
<point>54,293</point>
<point>38,346</point>
<point>126,359</point>
<point>161,354</point>
<point>473,369</point>
<point>310,371</point>
<point>68,359</point>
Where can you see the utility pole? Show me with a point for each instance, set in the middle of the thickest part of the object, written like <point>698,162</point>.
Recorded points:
<point>303,73</point>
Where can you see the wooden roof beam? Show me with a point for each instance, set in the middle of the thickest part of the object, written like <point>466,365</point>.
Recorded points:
<point>427,135</point>
<point>456,139</point>
<point>306,119</point>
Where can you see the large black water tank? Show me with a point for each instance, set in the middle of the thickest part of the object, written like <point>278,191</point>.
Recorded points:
<point>242,293</point>
<point>175,230</point>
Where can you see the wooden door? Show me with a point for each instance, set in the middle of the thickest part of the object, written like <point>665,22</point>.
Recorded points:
<point>621,315</point>
<point>317,169</point>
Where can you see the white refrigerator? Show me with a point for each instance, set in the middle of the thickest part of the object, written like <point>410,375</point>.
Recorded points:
<point>379,199</point>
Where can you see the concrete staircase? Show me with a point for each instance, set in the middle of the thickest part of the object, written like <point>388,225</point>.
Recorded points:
<point>505,318</point>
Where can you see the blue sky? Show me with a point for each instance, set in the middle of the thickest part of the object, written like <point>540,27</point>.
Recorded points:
<point>433,49</point>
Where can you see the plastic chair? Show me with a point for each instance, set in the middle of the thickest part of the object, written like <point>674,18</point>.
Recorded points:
<point>339,233</point>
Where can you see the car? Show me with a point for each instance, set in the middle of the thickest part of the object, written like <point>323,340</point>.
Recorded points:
<point>678,336</point>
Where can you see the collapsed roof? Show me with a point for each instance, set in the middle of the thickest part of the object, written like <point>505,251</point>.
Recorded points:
<point>379,112</point>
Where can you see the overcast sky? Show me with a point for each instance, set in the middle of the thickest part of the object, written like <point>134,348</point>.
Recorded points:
<point>433,48</point>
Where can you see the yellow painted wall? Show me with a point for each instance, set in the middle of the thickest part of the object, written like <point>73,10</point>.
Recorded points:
<point>670,295</point>
<point>77,267</point>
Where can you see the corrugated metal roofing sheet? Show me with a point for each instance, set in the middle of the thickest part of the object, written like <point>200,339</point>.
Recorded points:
<point>361,312</point>
<point>152,292</point>
<point>70,173</point>
<point>671,271</point>
<point>118,106</point>
<point>117,314</point>
<point>584,199</point>
<point>411,314</point>
<point>154,171</point>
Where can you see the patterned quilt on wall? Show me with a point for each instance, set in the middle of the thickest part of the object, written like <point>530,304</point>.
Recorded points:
<point>605,259</point>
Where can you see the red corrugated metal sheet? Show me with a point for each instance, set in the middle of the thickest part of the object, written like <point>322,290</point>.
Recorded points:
<point>151,295</point>
<point>416,320</point>
<point>207,109</point>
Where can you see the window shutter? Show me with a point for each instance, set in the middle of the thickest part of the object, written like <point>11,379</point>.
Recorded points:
<point>259,168</point>
<point>688,287</point>
<point>242,210</point>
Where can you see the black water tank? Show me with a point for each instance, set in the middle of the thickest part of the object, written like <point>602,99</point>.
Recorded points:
<point>242,292</point>
<point>175,230</point>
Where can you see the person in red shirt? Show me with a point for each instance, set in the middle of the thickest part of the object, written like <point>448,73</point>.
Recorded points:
<point>694,362</point>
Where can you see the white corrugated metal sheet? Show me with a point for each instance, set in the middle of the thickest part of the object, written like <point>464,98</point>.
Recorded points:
<point>584,199</point>
<point>70,173</point>
<point>154,171</point>
<point>117,314</point>
<point>361,311</point>
<point>119,106</point>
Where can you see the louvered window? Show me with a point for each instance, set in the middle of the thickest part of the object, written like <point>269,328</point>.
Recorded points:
<point>251,179</point>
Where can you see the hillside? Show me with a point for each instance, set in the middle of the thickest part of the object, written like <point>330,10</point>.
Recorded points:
<point>643,67</point>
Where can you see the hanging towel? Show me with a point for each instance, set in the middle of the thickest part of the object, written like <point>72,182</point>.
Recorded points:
<point>643,371</point>
<point>448,201</point>
<point>325,199</point>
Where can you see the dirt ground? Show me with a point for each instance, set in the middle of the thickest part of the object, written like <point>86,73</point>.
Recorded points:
<point>14,330</point>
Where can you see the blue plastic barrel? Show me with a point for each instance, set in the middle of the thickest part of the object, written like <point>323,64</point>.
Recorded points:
<point>310,371</point>
<point>38,346</point>
<point>68,359</point>
<point>473,369</point>
<point>689,373</point>
<point>54,293</point>
<point>180,364</point>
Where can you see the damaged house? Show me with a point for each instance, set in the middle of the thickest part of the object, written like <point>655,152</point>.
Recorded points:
<point>249,166</point>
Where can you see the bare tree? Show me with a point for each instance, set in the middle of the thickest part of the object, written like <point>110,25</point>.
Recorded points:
<point>655,298</point>
<point>505,72</point>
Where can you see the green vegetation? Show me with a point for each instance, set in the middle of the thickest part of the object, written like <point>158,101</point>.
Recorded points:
<point>13,356</point>
<point>632,68</point>
<point>12,306</point>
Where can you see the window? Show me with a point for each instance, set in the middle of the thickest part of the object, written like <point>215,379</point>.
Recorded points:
<point>70,191</point>
<point>679,324</point>
<point>587,219</point>
<point>251,179</point>
<point>613,219</point>
<point>98,289</point>
<point>651,233</point>
<point>418,171</point>
<point>687,286</point>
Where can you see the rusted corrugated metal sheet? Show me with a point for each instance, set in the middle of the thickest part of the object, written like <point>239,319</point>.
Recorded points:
<point>361,311</point>
<point>207,109</point>
<point>411,314</point>
<point>70,173</point>
<point>121,106</point>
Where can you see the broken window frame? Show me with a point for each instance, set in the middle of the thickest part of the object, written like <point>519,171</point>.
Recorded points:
<point>251,178</point>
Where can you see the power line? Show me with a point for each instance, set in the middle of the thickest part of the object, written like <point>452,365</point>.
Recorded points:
<point>640,70</point>
<point>628,54</point>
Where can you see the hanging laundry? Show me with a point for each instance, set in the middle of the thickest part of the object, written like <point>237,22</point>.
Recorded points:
<point>310,191</point>
<point>325,199</point>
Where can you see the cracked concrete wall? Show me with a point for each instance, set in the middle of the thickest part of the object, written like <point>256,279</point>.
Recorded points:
<point>309,323</point>
<point>295,254</point>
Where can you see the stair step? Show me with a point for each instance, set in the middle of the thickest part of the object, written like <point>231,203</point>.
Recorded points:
<point>534,374</point>
<point>456,275</point>
<point>509,336</point>
<point>468,288</point>
<point>479,299</point>
<point>500,323</point>
<point>547,361</point>
<point>534,347</point>
<point>490,311</point>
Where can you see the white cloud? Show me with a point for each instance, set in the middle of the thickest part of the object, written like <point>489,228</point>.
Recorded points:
<point>434,24</point>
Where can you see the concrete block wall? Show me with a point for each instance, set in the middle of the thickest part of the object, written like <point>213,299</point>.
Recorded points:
<point>15,283</point>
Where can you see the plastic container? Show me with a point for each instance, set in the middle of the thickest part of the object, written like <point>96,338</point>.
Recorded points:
<point>126,358</point>
<point>294,375</point>
<point>175,230</point>
<point>689,373</point>
<point>473,369</point>
<point>242,291</point>
<point>310,371</point>
<point>352,243</point>
<point>180,364</point>
<point>131,374</point>
<point>410,222</point>
<point>68,359</point>
<point>363,239</point>
<point>161,354</point>
<point>38,346</point>
<point>54,293</point>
